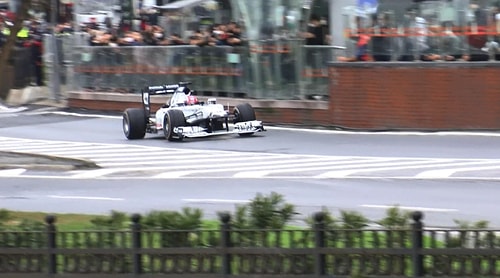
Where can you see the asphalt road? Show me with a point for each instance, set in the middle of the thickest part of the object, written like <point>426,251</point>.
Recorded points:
<point>442,200</point>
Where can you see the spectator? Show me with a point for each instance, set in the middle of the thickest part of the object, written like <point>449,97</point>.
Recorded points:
<point>361,50</point>
<point>198,39</point>
<point>3,37</point>
<point>315,32</point>
<point>362,41</point>
<point>175,39</point>
<point>35,44</point>
<point>450,43</point>
<point>131,38</point>
<point>148,36</point>
<point>415,41</point>
<point>381,40</point>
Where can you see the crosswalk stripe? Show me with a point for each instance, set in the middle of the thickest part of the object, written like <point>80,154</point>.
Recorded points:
<point>299,167</point>
<point>176,161</point>
<point>209,168</point>
<point>444,173</point>
<point>250,174</point>
<point>131,160</point>
<point>340,174</point>
<point>12,172</point>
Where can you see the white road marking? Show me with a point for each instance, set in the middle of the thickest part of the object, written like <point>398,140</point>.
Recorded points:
<point>445,173</point>
<point>69,152</point>
<point>210,160</point>
<point>210,168</point>
<point>411,208</point>
<point>85,198</point>
<point>259,174</point>
<point>345,173</point>
<point>145,161</point>
<point>5,109</point>
<point>12,172</point>
<point>294,167</point>
<point>213,162</point>
<point>216,201</point>
<point>73,149</point>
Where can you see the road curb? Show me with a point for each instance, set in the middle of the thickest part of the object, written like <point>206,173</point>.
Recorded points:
<point>15,160</point>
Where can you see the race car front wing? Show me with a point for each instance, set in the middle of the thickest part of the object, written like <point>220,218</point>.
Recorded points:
<point>238,128</point>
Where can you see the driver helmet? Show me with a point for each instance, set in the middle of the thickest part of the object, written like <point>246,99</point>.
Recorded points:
<point>191,100</point>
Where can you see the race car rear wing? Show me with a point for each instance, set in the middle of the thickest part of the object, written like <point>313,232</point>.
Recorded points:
<point>158,90</point>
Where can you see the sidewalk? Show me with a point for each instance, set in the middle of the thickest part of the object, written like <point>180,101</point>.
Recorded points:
<point>33,95</point>
<point>13,160</point>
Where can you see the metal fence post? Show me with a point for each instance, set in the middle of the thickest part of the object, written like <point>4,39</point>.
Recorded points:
<point>417,244</point>
<point>136,244</point>
<point>51,244</point>
<point>319,237</point>
<point>225,228</point>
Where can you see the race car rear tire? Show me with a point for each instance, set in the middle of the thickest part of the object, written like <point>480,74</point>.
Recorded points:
<point>242,113</point>
<point>134,123</point>
<point>173,119</point>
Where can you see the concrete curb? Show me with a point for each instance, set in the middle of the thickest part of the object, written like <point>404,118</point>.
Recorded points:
<point>27,95</point>
<point>16,160</point>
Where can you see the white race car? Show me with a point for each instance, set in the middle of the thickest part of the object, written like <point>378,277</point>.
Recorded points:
<point>185,116</point>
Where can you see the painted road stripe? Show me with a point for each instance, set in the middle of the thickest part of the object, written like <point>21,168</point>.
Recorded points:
<point>259,174</point>
<point>85,198</point>
<point>300,167</point>
<point>39,149</point>
<point>210,159</point>
<point>12,172</point>
<point>216,201</point>
<point>85,152</point>
<point>73,149</point>
<point>210,168</point>
<point>411,208</point>
<point>445,173</point>
<point>166,156</point>
<point>345,173</point>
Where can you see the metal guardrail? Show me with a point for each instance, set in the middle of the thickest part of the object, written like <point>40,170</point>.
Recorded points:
<point>229,252</point>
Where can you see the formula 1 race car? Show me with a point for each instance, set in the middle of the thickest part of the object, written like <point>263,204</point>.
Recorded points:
<point>185,116</point>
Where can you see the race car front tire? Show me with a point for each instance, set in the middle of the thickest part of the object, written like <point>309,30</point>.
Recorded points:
<point>173,119</point>
<point>134,123</point>
<point>242,113</point>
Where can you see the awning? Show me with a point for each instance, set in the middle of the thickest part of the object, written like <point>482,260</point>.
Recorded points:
<point>180,4</point>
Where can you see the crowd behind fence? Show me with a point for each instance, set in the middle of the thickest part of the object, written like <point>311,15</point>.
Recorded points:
<point>275,69</point>
<point>230,252</point>
<point>272,69</point>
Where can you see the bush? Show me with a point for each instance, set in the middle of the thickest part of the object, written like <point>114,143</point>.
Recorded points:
<point>264,212</point>
<point>395,219</point>
<point>178,229</point>
<point>115,221</point>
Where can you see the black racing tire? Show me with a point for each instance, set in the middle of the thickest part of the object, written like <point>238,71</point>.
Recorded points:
<point>134,123</point>
<point>173,119</point>
<point>242,113</point>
